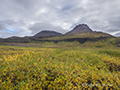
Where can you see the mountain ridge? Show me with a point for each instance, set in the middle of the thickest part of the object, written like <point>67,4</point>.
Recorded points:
<point>80,33</point>
<point>47,33</point>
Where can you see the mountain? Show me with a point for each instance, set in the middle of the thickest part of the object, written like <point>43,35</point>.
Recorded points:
<point>81,28</point>
<point>1,40</point>
<point>46,33</point>
<point>81,33</point>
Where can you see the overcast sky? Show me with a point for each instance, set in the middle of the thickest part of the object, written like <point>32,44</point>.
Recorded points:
<point>28,17</point>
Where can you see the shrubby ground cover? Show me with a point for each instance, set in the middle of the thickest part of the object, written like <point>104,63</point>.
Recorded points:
<point>58,67</point>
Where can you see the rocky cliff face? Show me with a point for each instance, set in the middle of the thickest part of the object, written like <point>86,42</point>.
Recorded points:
<point>46,33</point>
<point>81,28</point>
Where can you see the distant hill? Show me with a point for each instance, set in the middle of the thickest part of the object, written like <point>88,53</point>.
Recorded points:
<point>47,33</point>
<point>80,35</point>
<point>14,37</point>
<point>1,40</point>
<point>81,28</point>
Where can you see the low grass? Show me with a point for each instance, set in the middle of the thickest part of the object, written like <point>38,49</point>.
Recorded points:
<point>113,53</point>
<point>63,66</point>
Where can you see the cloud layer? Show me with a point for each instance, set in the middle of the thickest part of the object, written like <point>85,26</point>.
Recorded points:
<point>28,17</point>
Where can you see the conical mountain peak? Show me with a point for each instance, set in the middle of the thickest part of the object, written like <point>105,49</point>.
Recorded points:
<point>81,28</point>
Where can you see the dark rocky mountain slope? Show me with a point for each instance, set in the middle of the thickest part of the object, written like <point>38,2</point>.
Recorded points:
<point>47,33</point>
<point>81,28</point>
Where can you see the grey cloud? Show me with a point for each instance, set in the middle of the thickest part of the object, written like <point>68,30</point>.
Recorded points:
<point>7,21</point>
<point>2,27</point>
<point>117,34</point>
<point>4,23</point>
<point>21,33</point>
<point>11,28</point>
<point>37,27</point>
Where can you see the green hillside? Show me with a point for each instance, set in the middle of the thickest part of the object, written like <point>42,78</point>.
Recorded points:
<point>80,35</point>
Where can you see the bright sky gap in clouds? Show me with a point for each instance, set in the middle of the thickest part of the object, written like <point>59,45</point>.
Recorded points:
<point>28,17</point>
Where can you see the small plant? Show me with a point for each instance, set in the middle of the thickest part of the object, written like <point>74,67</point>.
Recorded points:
<point>58,68</point>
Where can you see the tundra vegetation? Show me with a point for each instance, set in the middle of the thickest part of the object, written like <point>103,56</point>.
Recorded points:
<point>63,65</point>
